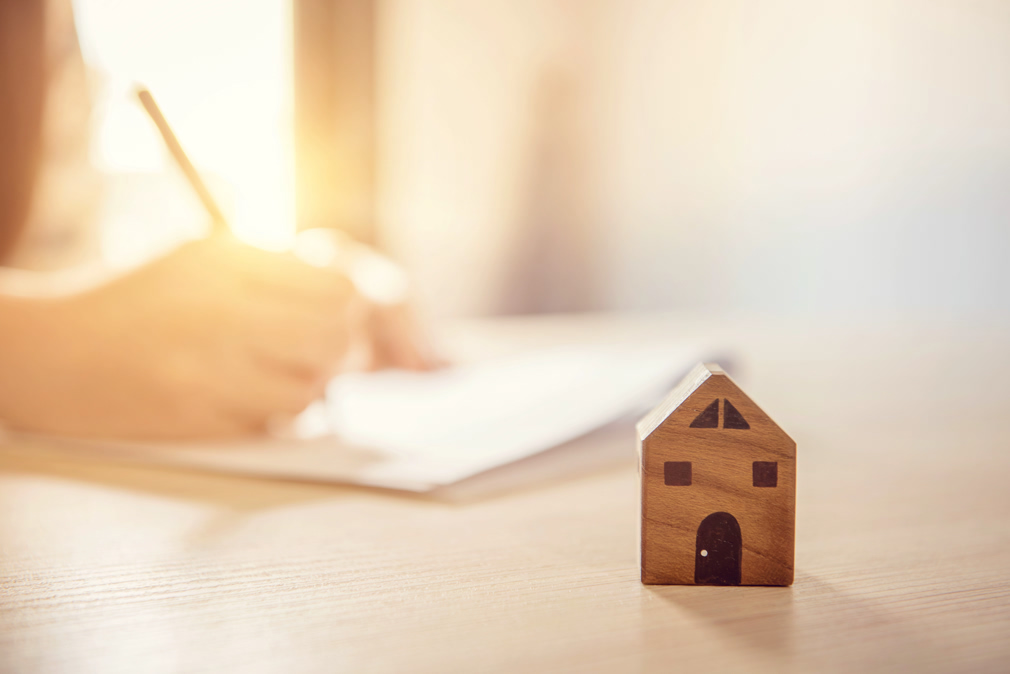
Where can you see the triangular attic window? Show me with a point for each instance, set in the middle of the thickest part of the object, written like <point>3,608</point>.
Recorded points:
<point>709,418</point>
<point>732,417</point>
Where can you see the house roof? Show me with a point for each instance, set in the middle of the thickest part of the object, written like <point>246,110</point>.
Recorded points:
<point>688,385</point>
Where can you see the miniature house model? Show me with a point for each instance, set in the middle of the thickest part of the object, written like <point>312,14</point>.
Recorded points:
<point>718,488</point>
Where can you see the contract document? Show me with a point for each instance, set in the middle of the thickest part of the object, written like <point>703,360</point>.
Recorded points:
<point>419,431</point>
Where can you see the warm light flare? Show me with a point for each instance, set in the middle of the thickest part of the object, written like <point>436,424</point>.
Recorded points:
<point>221,72</point>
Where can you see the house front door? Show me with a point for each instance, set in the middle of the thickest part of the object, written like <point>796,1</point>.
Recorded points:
<point>718,551</point>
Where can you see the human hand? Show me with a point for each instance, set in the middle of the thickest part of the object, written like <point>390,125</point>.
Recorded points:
<point>393,338</point>
<point>389,336</point>
<point>215,339</point>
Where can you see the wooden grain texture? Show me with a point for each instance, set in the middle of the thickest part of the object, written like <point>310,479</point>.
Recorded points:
<point>720,435</point>
<point>902,540</point>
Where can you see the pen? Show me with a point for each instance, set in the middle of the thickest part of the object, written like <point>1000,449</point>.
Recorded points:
<point>374,275</point>
<point>220,224</point>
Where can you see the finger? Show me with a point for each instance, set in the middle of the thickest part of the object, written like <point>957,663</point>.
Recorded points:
<point>257,391</point>
<point>285,275</point>
<point>230,424</point>
<point>299,338</point>
<point>206,421</point>
<point>397,342</point>
<point>199,403</point>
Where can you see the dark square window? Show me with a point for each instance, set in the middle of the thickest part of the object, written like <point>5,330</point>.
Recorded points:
<point>677,473</point>
<point>766,473</point>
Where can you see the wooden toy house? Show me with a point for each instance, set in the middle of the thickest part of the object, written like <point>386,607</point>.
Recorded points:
<point>718,488</point>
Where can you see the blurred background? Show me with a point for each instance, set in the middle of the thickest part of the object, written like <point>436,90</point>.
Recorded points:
<point>844,158</point>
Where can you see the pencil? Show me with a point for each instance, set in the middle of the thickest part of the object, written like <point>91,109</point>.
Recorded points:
<point>220,224</point>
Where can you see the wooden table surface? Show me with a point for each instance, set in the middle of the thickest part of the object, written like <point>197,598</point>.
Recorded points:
<point>903,544</point>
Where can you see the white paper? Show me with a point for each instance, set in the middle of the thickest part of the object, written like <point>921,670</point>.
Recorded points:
<point>419,431</point>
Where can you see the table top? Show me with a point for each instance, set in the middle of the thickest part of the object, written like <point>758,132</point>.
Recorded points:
<point>902,551</point>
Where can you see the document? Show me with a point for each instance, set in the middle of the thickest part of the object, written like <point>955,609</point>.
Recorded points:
<point>419,431</point>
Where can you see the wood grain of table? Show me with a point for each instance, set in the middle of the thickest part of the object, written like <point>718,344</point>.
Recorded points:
<point>903,543</point>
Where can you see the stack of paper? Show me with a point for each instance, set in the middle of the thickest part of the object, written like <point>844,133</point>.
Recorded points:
<point>419,431</point>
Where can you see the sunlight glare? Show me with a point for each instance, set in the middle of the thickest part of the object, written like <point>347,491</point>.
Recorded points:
<point>221,72</point>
